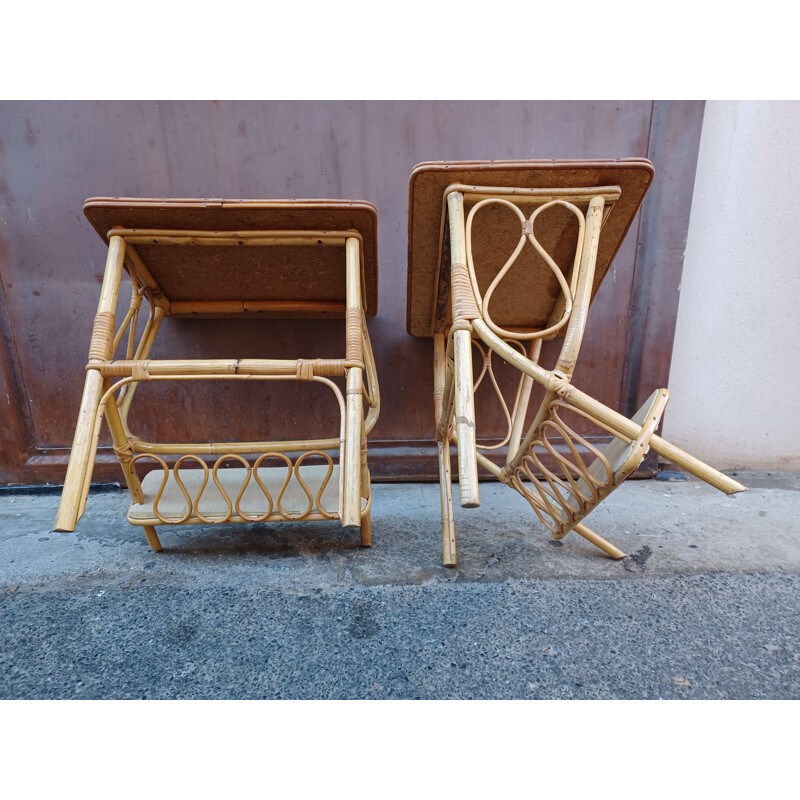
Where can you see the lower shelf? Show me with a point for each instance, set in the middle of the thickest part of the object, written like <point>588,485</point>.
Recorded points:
<point>291,503</point>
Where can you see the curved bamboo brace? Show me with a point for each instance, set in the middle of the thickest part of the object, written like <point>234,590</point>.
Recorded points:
<point>199,496</point>
<point>573,498</point>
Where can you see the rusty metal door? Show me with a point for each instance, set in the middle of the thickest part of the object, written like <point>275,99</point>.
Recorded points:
<point>53,155</point>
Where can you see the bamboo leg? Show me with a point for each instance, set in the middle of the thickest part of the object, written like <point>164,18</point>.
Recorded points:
<point>366,528</point>
<point>84,445</point>
<point>446,492</point>
<point>352,455</point>
<point>354,414</point>
<point>443,444</point>
<point>464,309</point>
<point>152,537</point>
<point>366,494</point>
<point>598,541</point>
<point>465,421</point>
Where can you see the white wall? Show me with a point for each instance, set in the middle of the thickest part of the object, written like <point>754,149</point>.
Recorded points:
<point>735,377</point>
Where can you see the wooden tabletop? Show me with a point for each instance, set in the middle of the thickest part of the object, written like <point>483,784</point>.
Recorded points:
<point>313,272</point>
<point>529,291</point>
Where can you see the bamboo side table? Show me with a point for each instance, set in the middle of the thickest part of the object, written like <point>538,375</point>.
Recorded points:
<point>558,224</point>
<point>231,258</point>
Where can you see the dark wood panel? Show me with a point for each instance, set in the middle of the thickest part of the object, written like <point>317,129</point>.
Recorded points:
<point>58,154</point>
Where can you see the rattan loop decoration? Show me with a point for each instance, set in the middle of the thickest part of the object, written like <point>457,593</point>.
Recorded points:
<point>222,491</point>
<point>565,496</point>
<point>318,499</point>
<point>527,234</point>
<point>487,367</point>
<point>192,504</point>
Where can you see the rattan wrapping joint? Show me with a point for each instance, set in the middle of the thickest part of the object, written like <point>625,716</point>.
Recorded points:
<point>124,369</point>
<point>560,384</point>
<point>307,368</point>
<point>124,451</point>
<point>102,336</point>
<point>438,401</point>
<point>461,294</point>
<point>458,325</point>
<point>354,334</point>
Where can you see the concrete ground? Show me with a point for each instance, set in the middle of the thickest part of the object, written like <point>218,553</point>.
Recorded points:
<point>705,606</point>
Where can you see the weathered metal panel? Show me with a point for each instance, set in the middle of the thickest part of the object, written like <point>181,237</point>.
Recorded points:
<point>53,155</point>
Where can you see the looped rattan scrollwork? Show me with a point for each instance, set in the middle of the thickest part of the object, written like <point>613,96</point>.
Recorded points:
<point>573,487</point>
<point>317,500</point>
<point>487,368</point>
<point>527,234</point>
<point>234,505</point>
<point>166,470</point>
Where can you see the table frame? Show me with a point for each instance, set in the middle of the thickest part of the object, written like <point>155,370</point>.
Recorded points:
<point>111,383</point>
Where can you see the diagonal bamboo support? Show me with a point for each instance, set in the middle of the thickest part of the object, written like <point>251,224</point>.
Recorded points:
<point>81,462</point>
